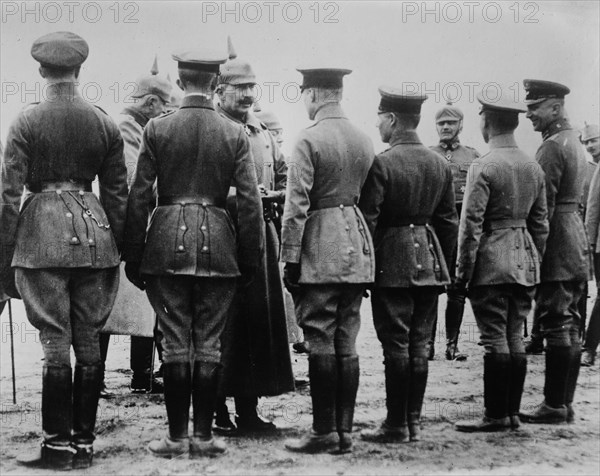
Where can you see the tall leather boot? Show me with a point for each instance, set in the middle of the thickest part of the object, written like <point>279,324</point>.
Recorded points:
<point>86,392</point>
<point>431,346</point>
<point>248,419</point>
<point>177,378</point>
<point>419,370</point>
<point>348,377</point>
<point>496,375</point>
<point>56,451</point>
<point>518,371</point>
<point>553,409</point>
<point>397,384</point>
<point>454,316</point>
<point>323,374</point>
<point>574,365</point>
<point>204,392</point>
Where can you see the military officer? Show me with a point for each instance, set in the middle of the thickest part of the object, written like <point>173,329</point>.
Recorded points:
<point>63,244</point>
<point>409,206</point>
<point>256,355</point>
<point>328,253</point>
<point>151,97</point>
<point>566,264</point>
<point>449,124</point>
<point>503,232</point>
<point>187,258</point>
<point>591,140</point>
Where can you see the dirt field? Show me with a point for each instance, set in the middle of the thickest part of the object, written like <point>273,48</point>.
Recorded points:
<point>128,422</point>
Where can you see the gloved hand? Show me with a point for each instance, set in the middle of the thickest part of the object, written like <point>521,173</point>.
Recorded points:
<point>132,271</point>
<point>269,196</point>
<point>291,276</point>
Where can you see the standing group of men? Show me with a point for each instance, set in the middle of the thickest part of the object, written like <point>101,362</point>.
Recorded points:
<point>198,232</point>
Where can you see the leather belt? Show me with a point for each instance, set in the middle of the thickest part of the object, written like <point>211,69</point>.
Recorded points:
<point>190,200</point>
<point>65,186</point>
<point>566,207</point>
<point>395,222</point>
<point>333,202</point>
<point>503,224</point>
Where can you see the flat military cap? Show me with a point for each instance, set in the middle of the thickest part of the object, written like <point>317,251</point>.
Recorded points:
<point>398,100</point>
<point>153,84</point>
<point>538,90</point>
<point>201,59</point>
<point>323,77</point>
<point>590,131</point>
<point>61,49</point>
<point>269,119</point>
<point>501,104</point>
<point>449,113</point>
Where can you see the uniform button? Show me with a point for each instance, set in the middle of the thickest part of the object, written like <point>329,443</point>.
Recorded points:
<point>182,203</point>
<point>411,226</point>
<point>350,250</point>
<point>430,247</point>
<point>203,227</point>
<point>360,228</point>
<point>205,248</point>
<point>342,207</point>
<point>90,241</point>
<point>74,240</point>
<point>180,248</point>
<point>81,192</point>
<point>58,192</point>
<point>183,227</point>
<point>419,267</point>
<point>204,204</point>
<point>437,268</point>
<point>347,228</point>
<point>69,214</point>
<point>417,245</point>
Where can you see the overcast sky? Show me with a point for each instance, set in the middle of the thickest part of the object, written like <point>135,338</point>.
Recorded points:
<point>445,49</point>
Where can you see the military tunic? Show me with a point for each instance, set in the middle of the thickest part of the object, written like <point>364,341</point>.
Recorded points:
<point>63,232</point>
<point>256,358</point>
<point>566,263</point>
<point>195,155</point>
<point>460,157</point>
<point>325,232</point>
<point>502,237</point>
<point>408,203</point>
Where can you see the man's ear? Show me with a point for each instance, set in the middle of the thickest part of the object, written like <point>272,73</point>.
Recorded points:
<point>460,126</point>
<point>556,108</point>
<point>42,72</point>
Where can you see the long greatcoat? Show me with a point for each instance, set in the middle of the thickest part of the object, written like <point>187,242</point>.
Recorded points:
<point>256,358</point>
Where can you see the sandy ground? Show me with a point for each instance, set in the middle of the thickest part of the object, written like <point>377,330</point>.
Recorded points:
<point>128,422</point>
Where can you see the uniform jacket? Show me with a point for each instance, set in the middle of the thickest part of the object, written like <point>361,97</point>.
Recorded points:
<point>131,125</point>
<point>591,169</point>
<point>408,203</point>
<point>504,223</point>
<point>323,229</point>
<point>592,217</point>
<point>63,138</point>
<point>193,152</point>
<point>460,157</point>
<point>563,160</point>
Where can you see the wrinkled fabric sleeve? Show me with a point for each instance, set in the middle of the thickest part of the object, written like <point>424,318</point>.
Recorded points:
<point>112,178</point>
<point>300,180</point>
<point>445,218</point>
<point>249,206</point>
<point>132,133</point>
<point>13,174</point>
<point>551,159</point>
<point>141,199</point>
<point>280,169</point>
<point>592,217</point>
<point>537,220</point>
<point>373,194</point>
<point>475,203</point>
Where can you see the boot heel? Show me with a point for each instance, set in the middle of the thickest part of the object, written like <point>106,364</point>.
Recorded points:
<point>83,457</point>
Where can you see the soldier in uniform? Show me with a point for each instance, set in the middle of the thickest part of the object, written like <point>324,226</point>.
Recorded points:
<point>256,357</point>
<point>449,124</point>
<point>64,242</point>
<point>328,255</point>
<point>503,232</point>
<point>566,263</point>
<point>409,206</point>
<point>187,258</point>
<point>591,140</point>
<point>152,95</point>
